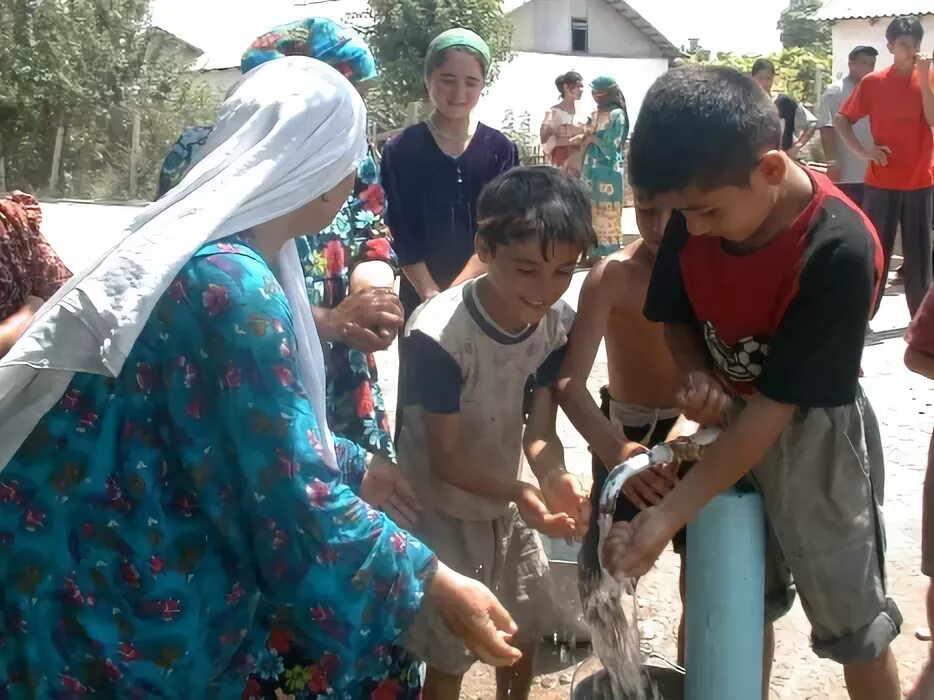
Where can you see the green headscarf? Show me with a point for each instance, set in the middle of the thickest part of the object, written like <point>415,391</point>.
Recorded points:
<point>458,38</point>
<point>602,84</point>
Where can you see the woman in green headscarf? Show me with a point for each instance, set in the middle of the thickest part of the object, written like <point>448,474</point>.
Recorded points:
<point>604,148</point>
<point>433,173</point>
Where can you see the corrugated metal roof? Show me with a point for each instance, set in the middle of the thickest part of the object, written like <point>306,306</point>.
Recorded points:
<point>870,9</point>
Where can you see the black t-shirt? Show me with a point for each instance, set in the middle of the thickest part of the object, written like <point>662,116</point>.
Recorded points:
<point>788,111</point>
<point>788,319</point>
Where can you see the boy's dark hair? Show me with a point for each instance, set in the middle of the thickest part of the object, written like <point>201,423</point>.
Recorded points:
<point>701,125</point>
<point>762,65</point>
<point>905,25</point>
<point>535,202</point>
<point>569,78</point>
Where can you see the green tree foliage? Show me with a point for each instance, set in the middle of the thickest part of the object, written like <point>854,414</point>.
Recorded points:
<point>797,69</point>
<point>801,29</point>
<point>400,33</point>
<point>90,67</point>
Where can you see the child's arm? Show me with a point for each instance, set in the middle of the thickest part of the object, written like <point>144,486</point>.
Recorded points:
<point>919,357</point>
<point>447,459</point>
<point>593,310</point>
<point>562,490</point>
<point>919,362</point>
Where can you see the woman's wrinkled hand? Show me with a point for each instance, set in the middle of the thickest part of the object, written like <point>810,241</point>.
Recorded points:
<point>368,320</point>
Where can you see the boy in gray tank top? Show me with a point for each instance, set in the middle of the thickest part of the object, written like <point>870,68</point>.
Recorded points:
<point>473,352</point>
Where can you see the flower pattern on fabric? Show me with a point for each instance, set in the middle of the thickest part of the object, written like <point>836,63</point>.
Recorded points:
<point>317,37</point>
<point>356,409</point>
<point>28,265</point>
<point>154,525</point>
<point>179,157</point>
<point>603,177</point>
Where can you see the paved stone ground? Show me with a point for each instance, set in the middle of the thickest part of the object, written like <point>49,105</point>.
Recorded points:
<point>902,401</point>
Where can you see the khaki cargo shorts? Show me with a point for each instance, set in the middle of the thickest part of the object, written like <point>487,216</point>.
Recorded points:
<point>504,554</point>
<point>822,486</point>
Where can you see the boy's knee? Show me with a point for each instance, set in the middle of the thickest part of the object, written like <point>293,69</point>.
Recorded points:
<point>863,645</point>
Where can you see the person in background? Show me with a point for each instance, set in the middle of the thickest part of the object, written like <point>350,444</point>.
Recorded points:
<point>433,173</point>
<point>844,168</point>
<point>919,358</point>
<point>561,134</point>
<point>174,471</point>
<point>798,123</point>
<point>475,350</point>
<point>899,103</point>
<point>604,160</point>
<point>30,271</point>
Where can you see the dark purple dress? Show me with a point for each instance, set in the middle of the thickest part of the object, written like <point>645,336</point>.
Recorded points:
<point>431,208</point>
<point>431,199</point>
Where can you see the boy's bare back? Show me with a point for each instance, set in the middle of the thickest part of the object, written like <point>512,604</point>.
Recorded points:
<point>641,369</point>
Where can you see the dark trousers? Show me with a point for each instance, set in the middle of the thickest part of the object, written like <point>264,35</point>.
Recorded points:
<point>854,190</point>
<point>887,209</point>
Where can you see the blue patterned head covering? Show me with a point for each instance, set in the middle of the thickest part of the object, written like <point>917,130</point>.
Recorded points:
<point>338,46</point>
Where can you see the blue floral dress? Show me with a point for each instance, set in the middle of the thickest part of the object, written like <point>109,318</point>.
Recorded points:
<point>151,524</point>
<point>356,409</point>
<point>355,404</point>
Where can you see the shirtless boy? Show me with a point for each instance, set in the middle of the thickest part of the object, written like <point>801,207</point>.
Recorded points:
<point>640,401</point>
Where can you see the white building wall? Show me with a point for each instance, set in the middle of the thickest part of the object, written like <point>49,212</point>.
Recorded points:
<point>544,26</point>
<point>850,33</point>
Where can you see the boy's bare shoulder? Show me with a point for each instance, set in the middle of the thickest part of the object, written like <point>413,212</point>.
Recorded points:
<point>623,276</point>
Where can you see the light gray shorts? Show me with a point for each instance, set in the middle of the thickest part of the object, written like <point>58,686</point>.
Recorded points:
<point>822,486</point>
<point>504,554</point>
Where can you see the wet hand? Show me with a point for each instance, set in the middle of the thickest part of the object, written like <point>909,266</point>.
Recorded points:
<point>564,493</point>
<point>648,488</point>
<point>534,511</point>
<point>385,488</point>
<point>880,155</point>
<point>631,549</point>
<point>367,320</point>
<point>703,399</point>
<point>474,614</point>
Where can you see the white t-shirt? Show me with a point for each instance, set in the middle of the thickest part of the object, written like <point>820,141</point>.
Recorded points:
<point>852,168</point>
<point>459,361</point>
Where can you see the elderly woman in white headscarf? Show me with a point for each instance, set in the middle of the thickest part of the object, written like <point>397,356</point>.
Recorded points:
<point>166,465</point>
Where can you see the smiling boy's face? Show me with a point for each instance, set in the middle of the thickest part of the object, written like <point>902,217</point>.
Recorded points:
<point>526,283</point>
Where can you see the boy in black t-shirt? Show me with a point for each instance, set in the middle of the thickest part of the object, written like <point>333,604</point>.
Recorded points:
<point>765,283</point>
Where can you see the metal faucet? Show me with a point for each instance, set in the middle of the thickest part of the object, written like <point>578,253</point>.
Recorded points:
<point>680,449</point>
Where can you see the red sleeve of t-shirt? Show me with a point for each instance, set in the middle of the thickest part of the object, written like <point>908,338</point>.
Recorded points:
<point>921,331</point>
<point>859,103</point>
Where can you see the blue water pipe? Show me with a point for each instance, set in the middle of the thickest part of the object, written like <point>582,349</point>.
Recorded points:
<point>725,581</point>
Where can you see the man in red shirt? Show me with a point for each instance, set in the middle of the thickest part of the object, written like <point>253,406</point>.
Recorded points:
<point>900,105</point>
<point>919,357</point>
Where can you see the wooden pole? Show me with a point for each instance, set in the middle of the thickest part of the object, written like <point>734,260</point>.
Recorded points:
<point>2,166</point>
<point>57,156</point>
<point>134,155</point>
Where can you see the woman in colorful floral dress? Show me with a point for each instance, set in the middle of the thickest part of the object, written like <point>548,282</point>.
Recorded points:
<point>355,311</point>
<point>167,471</point>
<point>604,160</point>
<point>349,273</point>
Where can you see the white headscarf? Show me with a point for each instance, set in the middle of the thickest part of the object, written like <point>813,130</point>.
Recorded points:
<point>290,131</point>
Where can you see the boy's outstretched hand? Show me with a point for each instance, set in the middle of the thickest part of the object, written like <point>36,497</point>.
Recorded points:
<point>534,511</point>
<point>703,399</point>
<point>564,494</point>
<point>632,548</point>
